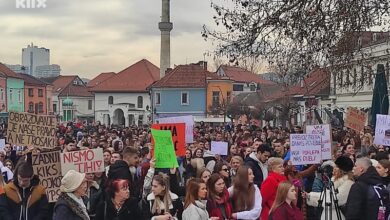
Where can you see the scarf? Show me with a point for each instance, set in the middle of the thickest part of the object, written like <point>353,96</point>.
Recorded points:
<point>76,205</point>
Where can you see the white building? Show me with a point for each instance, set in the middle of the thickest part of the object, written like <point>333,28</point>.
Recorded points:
<point>19,68</point>
<point>123,99</point>
<point>34,56</point>
<point>354,86</point>
<point>45,71</point>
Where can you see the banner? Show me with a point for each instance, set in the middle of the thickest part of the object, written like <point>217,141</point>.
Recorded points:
<point>355,119</point>
<point>83,161</point>
<point>27,129</point>
<point>382,130</point>
<point>305,149</point>
<point>188,120</point>
<point>48,167</point>
<point>326,140</point>
<point>219,147</point>
<point>178,136</point>
<point>164,152</point>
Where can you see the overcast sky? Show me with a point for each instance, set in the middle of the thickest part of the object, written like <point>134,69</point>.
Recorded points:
<point>87,37</point>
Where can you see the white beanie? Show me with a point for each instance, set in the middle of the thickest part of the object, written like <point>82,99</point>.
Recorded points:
<point>71,181</point>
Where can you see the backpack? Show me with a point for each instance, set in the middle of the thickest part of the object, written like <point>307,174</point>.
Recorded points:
<point>382,193</point>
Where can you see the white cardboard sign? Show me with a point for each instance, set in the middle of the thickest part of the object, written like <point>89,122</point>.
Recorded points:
<point>382,130</point>
<point>305,149</point>
<point>324,131</point>
<point>219,147</point>
<point>83,161</point>
<point>188,120</point>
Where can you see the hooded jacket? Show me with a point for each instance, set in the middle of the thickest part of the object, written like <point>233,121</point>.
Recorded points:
<point>259,169</point>
<point>361,204</point>
<point>24,204</point>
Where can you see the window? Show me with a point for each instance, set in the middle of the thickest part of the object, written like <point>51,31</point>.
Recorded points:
<point>48,104</point>
<point>30,92</point>
<point>215,101</point>
<point>252,87</point>
<point>31,107</point>
<point>370,75</point>
<point>140,102</point>
<point>40,92</point>
<point>184,98</point>
<point>40,107</point>
<point>54,107</point>
<point>10,95</point>
<point>158,98</point>
<point>362,76</point>
<point>1,94</point>
<point>110,100</point>
<point>89,104</point>
<point>20,96</point>
<point>238,87</point>
<point>228,96</point>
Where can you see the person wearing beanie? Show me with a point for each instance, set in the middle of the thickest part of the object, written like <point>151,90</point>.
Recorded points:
<point>342,179</point>
<point>24,198</point>
<point>70,204</point>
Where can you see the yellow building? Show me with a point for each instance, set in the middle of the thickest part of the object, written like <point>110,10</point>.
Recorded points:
<point>219,94</point>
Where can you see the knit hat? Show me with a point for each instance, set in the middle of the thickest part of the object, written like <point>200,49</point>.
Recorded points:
<point>71,181</point>
<point>344,163</point>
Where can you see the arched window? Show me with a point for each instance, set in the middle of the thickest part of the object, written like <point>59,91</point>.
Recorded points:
<point>110,100</point>
<point>40,107</point>
<point>30,107</point>
<point>140,102</point>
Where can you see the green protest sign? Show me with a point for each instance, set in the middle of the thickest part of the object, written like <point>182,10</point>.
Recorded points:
<point>164,151</point>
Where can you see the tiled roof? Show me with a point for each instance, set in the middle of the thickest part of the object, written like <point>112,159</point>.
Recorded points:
<point>135,78</point>
<point>63,85</point>
<point>241,75</point>
<point>31,80</point>
<point>184,76</point>
<point>9,73</point>
<point>99,79</point>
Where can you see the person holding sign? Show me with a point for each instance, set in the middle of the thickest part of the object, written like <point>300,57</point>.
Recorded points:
<point>24,198</point>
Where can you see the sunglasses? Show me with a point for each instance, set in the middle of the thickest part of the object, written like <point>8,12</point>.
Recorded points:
<point>226,170</point>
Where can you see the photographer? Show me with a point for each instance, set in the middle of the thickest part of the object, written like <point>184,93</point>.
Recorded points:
<point>342,182</point>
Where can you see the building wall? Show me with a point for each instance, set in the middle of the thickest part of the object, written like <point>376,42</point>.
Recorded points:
<point>35,99</point>
<point>49,99</point>
<point>15,95</point>
<point>80,106</point>
<point>3,94</point>
<point>223,87</point>
<point>171,102</point>
<point>32,56</point>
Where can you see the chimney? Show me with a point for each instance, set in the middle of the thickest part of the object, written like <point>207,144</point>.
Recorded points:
<point>165,27</point>
<point>203,64</point>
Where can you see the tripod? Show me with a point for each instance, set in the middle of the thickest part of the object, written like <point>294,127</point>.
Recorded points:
<point>329,187</point>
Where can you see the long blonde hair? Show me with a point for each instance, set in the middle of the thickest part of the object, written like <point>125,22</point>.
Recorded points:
<point>163,180</point>
<point>281,195</point>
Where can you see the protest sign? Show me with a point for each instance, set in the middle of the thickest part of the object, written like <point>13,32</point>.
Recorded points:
<point>178,136</point>
<point>164,151</point>
<point>27,129</point>
<point>382,130</point>
<point>324,131</point>
<point>305,149</point>
<point>219,147</point>
<point>355,119</point>
<point>188,120</point>
<point>48,167</point>
<point>83,161</point>
<point>2,144</point>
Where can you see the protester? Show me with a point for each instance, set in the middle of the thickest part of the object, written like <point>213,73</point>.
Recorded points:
<point>195,204</point>
<point>245,195</point>
<point>70,204</point>
<point>283,207</point>
<point>383,169</point>
<point>257,162</point>
<point>362,203</point>
<point>204,174</point>
<point>218,203</point>
<point>24,198</point>
<point>270,184</point>
<point>118,205</point>
<point>222,169</point>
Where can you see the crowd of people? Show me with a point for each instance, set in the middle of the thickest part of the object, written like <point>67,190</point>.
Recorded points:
<point>256,180</point>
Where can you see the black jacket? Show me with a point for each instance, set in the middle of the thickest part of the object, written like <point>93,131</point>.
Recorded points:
<point>130,210</point>
<point>120,170</point>
<point>361,204</point>
<point>15,202</point>
<point>257,172</point>
<point>175,210</point>
<point>66,208</point>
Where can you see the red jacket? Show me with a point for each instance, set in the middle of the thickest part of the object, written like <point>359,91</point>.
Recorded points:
<point>268,192</point>
<point>287,212</point>
<point>214,210</point>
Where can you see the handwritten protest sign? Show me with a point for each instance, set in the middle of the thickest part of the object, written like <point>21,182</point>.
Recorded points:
<point>305,148</point>
<point>2,144</point>
<point>188,120</point>
<point>178,136</point>
<point>324,131</point>
<point>219,147</point>
<point>382,130</point>
<point>164,151</point>
<point>84,161</point>
<point>48,167</point>
<point>27,129</point>
<point>355,119</point>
